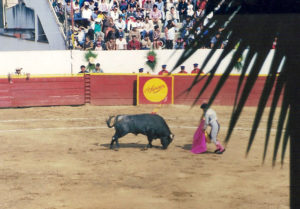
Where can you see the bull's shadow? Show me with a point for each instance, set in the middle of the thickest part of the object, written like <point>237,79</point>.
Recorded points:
<point>130,145</point>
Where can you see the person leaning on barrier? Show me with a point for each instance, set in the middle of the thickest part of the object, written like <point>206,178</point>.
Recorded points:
<point>83,69</point>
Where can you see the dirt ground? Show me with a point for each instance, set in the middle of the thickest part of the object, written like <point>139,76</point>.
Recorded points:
<point>58,158</point>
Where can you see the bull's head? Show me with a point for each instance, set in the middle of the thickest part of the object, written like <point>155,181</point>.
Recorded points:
<point>167,140</point>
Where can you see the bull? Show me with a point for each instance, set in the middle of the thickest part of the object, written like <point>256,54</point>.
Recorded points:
<point>151,125</point>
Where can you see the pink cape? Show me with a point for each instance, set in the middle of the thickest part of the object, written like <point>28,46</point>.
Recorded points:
<point>199,143</point>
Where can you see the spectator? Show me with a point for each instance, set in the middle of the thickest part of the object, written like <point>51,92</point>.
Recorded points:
<point>83,70</point>
<point>141,70</point>
<point>214,40</point>
<point>156,38</point>
<point>139,25</point>
<point>148,29</point>
<point>155,16</point>
<point>120,27</point>
<point>190,8</point>
<point>59,10</point>
<point>182,8</point>
<point>146,43</point>
<point>132,4</point>
<point>170,34</point>
<point>169,5</point>
<point>98,69</point>
<point>171,15</point>
<point>134,44</point>
<point>81,36</point>
<point>163,71</point>
<point>86,12</point>
<point>123,5</point>
<point>121,43</point>
<point>103,7</point>
<point>182,71</point>
<point>160,5</point>
<point>98,28</point>
<point>100,44</point>
<point>88,44</point>
<point>134,32</point>
<point>196,70</point>
<point>76,9</point>
<point>115,14</point>
<point>148,5</point>
<point>111,44</point>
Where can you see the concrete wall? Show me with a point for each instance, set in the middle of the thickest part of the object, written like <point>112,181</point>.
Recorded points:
<point>69,62</point>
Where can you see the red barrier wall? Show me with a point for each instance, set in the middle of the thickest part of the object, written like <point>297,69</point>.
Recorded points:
<point>225,97</point>
<point>22,92</point>
<point>109,89</point>
<point>113,89</point>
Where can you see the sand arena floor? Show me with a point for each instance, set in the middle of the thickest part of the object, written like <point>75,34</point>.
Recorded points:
<point>58,158</point>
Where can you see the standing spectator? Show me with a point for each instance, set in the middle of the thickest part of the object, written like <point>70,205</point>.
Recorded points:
<point>182,71</point>
<point>121,43</point>
<point>146,43</point>
<point>196,70</point>
<point>83,70</point>
<point>170,34</point>
<point>120,27</point>
<point>182,8</point>
<point>134,44</point>
<point>59,10</point>
<point>98,69</point>
<point>88,44</point>
<point>156,37</point>
<point>163,71</point>
<point>155,16</point>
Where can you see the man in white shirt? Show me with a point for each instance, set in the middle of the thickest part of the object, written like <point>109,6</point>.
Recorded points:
<point>120,25</point>
<point>86,11</point>
<point>115,14</point>
<point>121,43</point>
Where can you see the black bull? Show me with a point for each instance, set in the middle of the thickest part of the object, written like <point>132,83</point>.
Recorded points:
<point>151,125</point>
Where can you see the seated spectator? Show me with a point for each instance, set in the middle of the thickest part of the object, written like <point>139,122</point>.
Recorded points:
<point>81,35</point>
<point>103,7</point>
<point>190,9</point>
<point>88,44</point>
<point>120,27</point>
<point>121,43</point>
<point>131,18</point>
<point>155,16</point>
<point>83,69</point>
<point>123,5</point>
<point>100,44</point>
<point>111,44</point>
<point>171,15</point>
<point>163,71</point>
<point>132,4</point>
<point>86,12</point>
<point>109,29</point>
<point>134,32</point>
<point>76,9</point>
<point>160,5</point>
<point>123,15</point>
<point>139,14</point>
<point>114,14</point>
<point>182,70</point>
<point>148,6</point>
<point>187,26</point>
<point>169,5</point>
<point>146,43</point>
<point>148,29</point>
<point>180,44</point>
<point>114,4</point>
<point>139,24</point>
<point>98,69</point>
<point>196,70</point>
<point>134,44</point>
<point>214,40</point>
<point>156,38</point>
<point>98,28</point>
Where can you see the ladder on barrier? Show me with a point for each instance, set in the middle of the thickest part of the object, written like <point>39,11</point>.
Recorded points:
<point>87,88</point>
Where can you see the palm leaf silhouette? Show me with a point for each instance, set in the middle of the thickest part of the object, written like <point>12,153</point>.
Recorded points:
<point>254,24</point>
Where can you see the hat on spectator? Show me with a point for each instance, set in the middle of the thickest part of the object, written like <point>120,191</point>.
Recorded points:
<point>182,66</point>
<point>86,3</point>
<point>141,70</point>
<point>196,64</point>
<point>98,20</point>
<point>164,66</point>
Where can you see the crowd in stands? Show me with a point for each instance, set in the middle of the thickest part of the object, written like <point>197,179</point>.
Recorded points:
<point>131,24</point>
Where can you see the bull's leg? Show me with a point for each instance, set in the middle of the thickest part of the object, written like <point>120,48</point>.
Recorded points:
<point>113,140</point>
<point>164,142</point>
<point>149,142</point>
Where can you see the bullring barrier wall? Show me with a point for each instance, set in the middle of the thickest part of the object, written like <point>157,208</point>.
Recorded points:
<point>109,89</point>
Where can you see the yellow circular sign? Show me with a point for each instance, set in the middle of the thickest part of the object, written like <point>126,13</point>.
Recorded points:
<point>155,90</point>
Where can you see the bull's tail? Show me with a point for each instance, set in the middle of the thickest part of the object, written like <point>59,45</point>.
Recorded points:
<point>108,121</point>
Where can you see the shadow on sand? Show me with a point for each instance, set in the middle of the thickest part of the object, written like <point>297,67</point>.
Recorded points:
<point>189,147</point>
<point>129,145</point>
